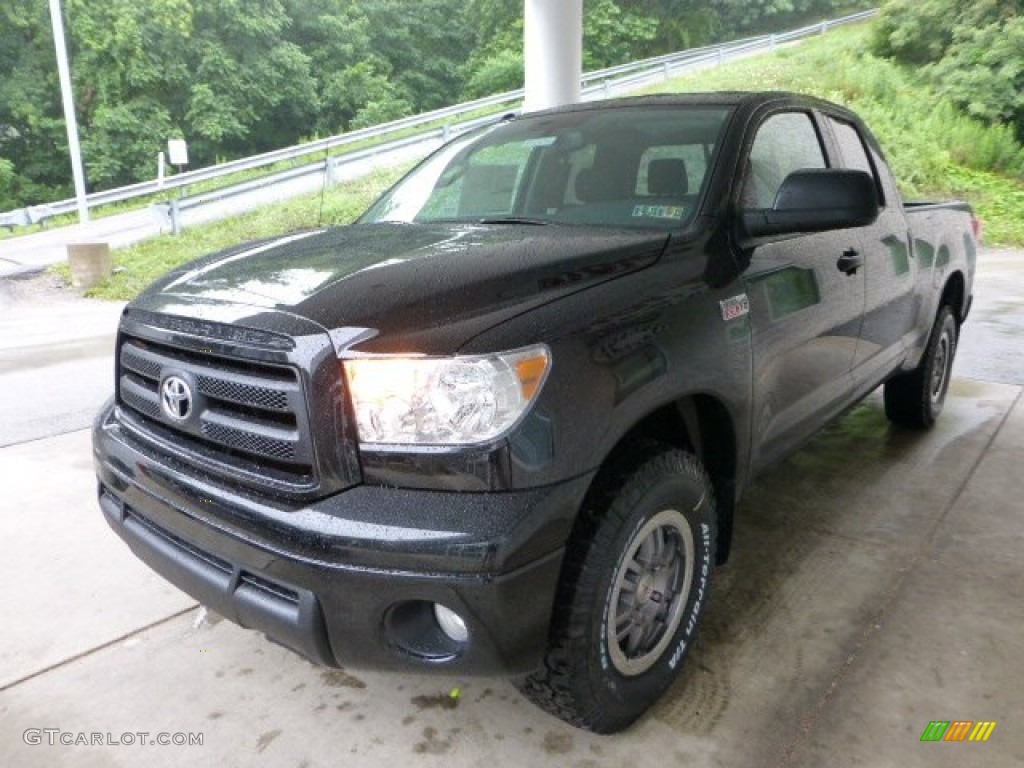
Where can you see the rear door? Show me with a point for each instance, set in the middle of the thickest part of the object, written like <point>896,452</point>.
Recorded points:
<point>888,268</point>
<point>805,312</point>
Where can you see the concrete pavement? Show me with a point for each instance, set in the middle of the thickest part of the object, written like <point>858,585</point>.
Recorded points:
<point>55,358</point>
<point>875,586</point>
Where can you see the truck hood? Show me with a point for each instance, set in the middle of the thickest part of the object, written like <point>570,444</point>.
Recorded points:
<point>425,288</point>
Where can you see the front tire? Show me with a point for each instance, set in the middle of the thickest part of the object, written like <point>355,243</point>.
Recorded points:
<point>635,581</point>
<point>915,399</point>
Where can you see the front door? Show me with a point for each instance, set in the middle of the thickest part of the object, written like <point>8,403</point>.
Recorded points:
<point>805,311</point>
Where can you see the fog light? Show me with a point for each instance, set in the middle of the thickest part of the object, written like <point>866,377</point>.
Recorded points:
<point>451,623</point>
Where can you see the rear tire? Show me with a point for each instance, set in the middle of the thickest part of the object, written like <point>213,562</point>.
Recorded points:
<point>636,578</point>
<point>915,399</point>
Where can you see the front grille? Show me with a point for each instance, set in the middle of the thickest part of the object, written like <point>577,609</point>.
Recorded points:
<point>248,416</point>
<point>250,443</point>
<point>232,391</point>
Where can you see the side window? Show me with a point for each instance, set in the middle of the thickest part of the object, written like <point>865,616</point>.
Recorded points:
<point>851,148</point>
<point>784,143</point>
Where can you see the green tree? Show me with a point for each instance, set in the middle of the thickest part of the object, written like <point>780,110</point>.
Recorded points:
<point>495,64</point>
<point>32,135</point>
<point>922,31</point>
<point>973,53</point>
<point>127,69</point>
<point>684,24</point>
<point>218,72</point>
<point>614,35</point>
<point>348,73</point>
<point>916,31</point>
<point>762,16</point>
<point>10,183</point>
<point>498,73</point>
<point>983,72</point>
<point>425,44</point>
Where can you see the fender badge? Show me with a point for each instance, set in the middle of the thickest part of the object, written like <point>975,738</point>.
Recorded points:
<point>735,307</point>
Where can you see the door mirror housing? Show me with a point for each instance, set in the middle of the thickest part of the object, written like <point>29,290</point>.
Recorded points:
<point>816,200</point>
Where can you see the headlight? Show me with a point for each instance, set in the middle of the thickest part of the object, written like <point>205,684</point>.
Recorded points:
<point>443,400</point>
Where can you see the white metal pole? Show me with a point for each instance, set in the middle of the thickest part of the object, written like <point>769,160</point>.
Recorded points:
<point>553,52</point>
<point>69,109</point>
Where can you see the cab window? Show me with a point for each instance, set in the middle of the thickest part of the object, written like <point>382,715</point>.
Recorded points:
<point>784,143</point>
<point>852,152</point>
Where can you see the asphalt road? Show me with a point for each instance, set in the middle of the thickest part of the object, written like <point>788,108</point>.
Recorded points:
<point>992,339</point>
<point>56,359</point>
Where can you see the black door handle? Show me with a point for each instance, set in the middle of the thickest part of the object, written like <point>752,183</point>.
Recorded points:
<point>850,262</point>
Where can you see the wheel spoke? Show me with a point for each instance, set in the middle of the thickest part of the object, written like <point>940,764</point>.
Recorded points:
<point>676,578</point>
<point>635,640</point>
<point>624,632</point>
<point>635,566</point>
<point>658,546</point>
<point>671,553</point>
<point>645,552</point>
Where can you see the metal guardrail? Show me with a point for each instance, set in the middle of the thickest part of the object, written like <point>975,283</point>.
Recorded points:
<point>595,84</point>
<point>169,214</point>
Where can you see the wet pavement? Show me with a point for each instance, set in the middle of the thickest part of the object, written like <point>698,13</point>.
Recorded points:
<point>875,586</point>
<point>993,337</point>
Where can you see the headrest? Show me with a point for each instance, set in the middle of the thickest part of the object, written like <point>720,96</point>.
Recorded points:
<point>666,177</point>
<point>592,186</point>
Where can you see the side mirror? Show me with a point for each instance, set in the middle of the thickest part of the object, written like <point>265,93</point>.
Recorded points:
<point>817,200</point>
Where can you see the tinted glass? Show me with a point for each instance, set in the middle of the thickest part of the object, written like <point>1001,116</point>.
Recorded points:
<point>784,143</point>
<point>852,150</point>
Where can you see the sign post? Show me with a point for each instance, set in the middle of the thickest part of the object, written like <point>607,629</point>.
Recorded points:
<point>177,154</point>
<point>64,71</point>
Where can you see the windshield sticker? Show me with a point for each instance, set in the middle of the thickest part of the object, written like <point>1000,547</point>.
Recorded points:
<point>659,211</point>
<point>735,307</point>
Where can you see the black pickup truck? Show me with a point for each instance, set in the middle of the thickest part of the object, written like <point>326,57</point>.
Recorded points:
<point>500,424</point>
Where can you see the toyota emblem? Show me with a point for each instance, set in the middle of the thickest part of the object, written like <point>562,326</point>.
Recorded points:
<point>176,398</point>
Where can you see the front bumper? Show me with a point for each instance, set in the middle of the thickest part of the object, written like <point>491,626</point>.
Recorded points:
<point>352,578</point>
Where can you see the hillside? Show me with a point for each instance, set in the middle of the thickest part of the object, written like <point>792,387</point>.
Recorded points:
<point>935,151</point>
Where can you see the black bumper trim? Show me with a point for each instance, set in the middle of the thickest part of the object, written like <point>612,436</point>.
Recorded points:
<point>290,615</point>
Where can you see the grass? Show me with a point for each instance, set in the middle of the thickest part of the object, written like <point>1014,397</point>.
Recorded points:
<point>138,265</point>
<point>934,150</point>
<point>998,201</point>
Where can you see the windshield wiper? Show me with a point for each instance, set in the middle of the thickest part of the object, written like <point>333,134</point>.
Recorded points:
<point>514,220</point>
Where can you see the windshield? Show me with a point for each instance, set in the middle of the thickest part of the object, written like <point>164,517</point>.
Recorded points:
<point>642,166</point>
